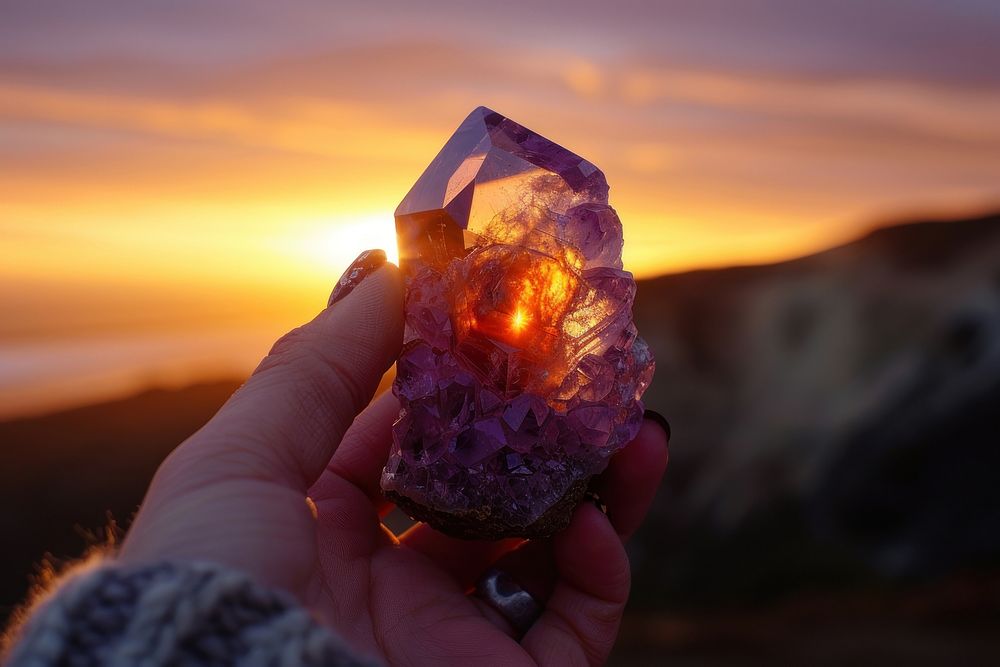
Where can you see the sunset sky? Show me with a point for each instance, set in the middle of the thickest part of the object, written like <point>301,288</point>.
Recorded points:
<point>192,165</point>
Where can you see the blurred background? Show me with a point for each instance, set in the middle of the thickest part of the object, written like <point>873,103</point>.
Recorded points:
<point>810,192</point>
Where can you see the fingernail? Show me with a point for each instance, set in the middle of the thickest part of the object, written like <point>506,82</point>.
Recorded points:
<point>660,420</point>
<point>596,499</point>
<point>366,263</point>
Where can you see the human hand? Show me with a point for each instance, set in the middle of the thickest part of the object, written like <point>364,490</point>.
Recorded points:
<point>283,483</point>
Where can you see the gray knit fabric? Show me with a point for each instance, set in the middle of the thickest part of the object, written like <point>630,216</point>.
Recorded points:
<point>171,614</point>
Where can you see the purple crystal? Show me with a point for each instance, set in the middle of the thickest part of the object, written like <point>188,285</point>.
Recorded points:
<point>521,372</point>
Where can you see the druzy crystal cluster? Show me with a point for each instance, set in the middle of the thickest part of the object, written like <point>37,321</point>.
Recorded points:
<point>521,371</point>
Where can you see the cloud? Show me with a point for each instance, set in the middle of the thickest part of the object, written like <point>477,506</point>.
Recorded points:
<point>946,43</point>
<point>695,110</point>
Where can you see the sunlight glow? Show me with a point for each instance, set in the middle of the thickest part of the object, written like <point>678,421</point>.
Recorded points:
<point>150,186</point>
<point>330,245</point>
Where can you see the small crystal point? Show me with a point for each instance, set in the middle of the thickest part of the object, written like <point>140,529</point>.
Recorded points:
<point>521,371</point>
<point>481,179</point>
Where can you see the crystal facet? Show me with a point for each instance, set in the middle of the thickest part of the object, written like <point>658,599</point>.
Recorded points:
<point>521,371</point>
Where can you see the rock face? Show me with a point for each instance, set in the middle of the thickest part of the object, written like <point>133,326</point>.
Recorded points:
<point>838,417</point>
<point>521,372</point>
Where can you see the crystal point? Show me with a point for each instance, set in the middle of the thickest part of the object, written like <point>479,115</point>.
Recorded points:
<point>521,372</point>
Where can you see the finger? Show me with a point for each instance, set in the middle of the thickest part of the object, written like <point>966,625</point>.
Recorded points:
<point>464,560</point>
<point>581,617</point>
<point>347,496</point>
<point>627,488</point>
<point>362,453</point>
<point>631,480</point>
<point>287,420</point>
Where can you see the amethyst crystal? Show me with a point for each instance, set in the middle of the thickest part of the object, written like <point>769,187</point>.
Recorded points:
<point>521,371</point>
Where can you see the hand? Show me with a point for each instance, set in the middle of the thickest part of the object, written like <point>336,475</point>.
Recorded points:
<point>283,483</point>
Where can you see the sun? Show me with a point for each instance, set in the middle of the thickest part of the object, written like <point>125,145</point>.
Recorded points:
<point>328,246</point>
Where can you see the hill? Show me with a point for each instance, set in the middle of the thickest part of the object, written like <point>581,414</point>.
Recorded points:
<point>834,415</point>
<point>64,473</point>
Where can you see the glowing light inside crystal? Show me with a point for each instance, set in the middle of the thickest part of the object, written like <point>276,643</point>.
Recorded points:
<point>519,319</point>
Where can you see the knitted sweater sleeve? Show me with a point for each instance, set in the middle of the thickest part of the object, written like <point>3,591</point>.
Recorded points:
<point>170,614</point>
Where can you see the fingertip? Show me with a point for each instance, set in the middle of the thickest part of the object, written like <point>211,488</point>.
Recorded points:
<point>393,273</point>
<point>363,266</point>
<point>646,457</point>
<point>590,556</point>
<point>362,333</point>
<point>652,447</point>
<point>659,420</point>
<point>588,520</point>
<point>593,585</point>
<point>384,280</point>
<point>633,477</point>
<point>642,463</point>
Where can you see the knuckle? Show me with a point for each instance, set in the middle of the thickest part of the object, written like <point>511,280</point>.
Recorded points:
<point>605,616</point>
<point>285,350</point>
<point>329,367</point>
<point>620,582</point>
<point>323,394</point>
<point>322,377</point>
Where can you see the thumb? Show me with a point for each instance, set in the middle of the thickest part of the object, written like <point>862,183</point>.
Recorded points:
<point>287,420</point>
